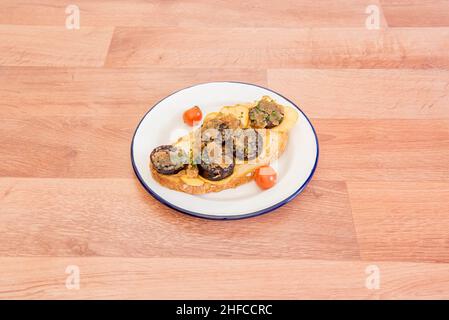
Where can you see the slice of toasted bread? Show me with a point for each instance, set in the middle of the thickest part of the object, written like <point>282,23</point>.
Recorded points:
<point>275,142</point>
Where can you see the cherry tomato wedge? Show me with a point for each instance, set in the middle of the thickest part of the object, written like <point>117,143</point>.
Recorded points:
<point>192,116</point>
<point>265,177</point>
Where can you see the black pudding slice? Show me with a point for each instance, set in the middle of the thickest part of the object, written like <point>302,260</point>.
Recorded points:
<point>248,144</point>
<point>167,159</point>
<point>219,128</point>
<point>217,162</point>
<point>266,114</point>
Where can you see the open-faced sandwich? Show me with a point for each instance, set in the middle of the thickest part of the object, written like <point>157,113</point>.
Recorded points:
<point>231,147</point>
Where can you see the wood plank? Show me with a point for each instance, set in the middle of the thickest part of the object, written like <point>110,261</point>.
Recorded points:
<point>416,13</point>
<point>42,91</point>
<point>43,146</point>
<point>383,150</point>
<point>116,217</point>
<point>174,278</point>
<point>53,46</point>
<point>401,220</point>
<point>196,13</point>
<point>280,48</point>
<point>367,94</point>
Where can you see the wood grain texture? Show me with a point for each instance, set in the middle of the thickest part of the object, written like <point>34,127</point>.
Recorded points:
<point>120,219</point>
<point>53,46</point>
<point>97,92</point>
<point>62,146</point>
<point>176,278</point>
<point>71,99</point>
<point>416,13</point>
<point>280,48</point>
<point>366,94</point>
<point>197,13</point>
<point>383,150</point>
<point>402,220</point>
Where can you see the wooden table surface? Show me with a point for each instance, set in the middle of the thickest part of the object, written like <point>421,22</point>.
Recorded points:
<point>71,99</point>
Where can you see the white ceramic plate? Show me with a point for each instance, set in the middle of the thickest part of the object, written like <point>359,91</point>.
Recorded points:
<point>163,125</point>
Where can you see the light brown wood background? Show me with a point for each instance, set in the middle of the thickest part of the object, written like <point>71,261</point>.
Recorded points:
<point>70,101</point>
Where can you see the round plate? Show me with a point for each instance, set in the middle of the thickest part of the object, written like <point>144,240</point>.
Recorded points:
<point>163,124</point>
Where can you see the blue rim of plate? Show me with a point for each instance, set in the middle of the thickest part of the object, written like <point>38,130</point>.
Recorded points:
<point>214,217</point>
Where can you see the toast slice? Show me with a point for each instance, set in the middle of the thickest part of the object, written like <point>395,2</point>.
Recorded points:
<point>274,144</point>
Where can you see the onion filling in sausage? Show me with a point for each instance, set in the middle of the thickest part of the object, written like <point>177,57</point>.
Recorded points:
<point>248,144</point>
<point>219,128</point>
<point>266,114</point>
<point>217,162</point>
<point>167,159</point>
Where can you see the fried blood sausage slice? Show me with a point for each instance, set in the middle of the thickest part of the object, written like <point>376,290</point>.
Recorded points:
<point>266,114</point>
<point>167,159</point>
